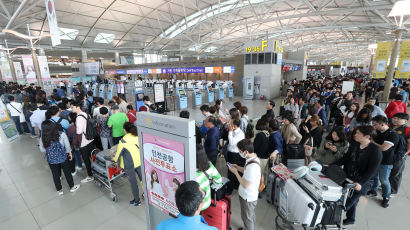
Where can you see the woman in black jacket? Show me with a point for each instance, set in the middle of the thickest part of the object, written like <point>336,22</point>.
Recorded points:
<point>361,163</point>
<point>312,131</point>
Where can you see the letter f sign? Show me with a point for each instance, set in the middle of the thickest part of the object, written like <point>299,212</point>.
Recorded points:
<point>264,45</point>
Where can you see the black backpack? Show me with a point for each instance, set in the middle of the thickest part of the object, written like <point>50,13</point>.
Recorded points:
<point>58,123</point>
<point>401,148</point>
<point>90,106</point>
<point>91,131</point>
<point>249,132</point>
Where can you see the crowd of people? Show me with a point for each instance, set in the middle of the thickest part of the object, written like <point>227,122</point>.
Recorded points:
<point>370,143</point>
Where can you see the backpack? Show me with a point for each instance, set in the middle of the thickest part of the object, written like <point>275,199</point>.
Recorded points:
<point>261,182</point>
<point>90,105</point>
<point>250,132</point>
<point>135,122</point>
<point>55,153</point>
<point>401,148</point>
<point>91,130</point>
<point>58,123</point>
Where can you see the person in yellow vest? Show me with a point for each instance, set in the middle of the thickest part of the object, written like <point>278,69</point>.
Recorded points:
<point>128,156</point>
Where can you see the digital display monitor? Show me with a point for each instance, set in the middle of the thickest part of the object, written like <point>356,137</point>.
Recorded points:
<point>140,96</point>
<point>181,92</point>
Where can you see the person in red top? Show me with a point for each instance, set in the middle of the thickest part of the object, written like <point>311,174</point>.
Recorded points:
<point>396,106</point>
<point>131,114</point>
<point>146,105</point>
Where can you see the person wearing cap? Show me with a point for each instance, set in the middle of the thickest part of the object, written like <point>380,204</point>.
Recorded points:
<point>116,123</point>
<point>400,126</point>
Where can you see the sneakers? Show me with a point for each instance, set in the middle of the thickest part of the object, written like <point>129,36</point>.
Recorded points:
<point>87,179</point>
<point>137,203</point>
<point>33,136</point>
<point>75,188</point>
<point>133,202</point>
<point>60,193</point>
<point>78,168</point>
<point>393,195</point>
<point>372,193</point>
<point>74,173</point>
<point>385,203</point>
<point>348,222</point>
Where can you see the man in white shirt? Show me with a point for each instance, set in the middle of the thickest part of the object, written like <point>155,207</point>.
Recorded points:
<point>16,113</point>
<point>249,183</point>
<point>235,135</point>
<point>86,145</point>
<point>99,101</point>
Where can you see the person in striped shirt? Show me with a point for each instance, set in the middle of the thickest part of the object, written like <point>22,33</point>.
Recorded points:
<point>206,171</point>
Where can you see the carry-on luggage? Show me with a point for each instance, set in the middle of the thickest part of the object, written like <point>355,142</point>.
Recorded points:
<point>304,209</point>
<point>219,213</point>
<point>273,188</point>
<point>218,191</point>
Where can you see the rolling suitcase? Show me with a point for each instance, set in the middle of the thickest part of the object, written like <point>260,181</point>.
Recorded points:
<point>219,213</point>
<point>273,188</point>
<point>301,205</point>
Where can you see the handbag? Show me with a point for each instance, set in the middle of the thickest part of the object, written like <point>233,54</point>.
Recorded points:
<point>308,148</point>
<point>294,151</point>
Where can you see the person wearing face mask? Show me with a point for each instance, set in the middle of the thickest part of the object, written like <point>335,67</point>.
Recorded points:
<point>249,182</point>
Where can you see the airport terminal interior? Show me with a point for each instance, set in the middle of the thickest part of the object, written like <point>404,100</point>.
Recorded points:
<point>204,114</point>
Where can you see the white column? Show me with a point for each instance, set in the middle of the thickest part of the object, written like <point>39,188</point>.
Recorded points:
<point>117,58</point>
<point>84,57</point>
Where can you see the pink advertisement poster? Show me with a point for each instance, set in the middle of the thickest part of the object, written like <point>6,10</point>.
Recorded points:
<point>164,171</point>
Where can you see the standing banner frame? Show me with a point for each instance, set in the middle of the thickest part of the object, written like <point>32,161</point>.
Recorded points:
<point>161,138</point>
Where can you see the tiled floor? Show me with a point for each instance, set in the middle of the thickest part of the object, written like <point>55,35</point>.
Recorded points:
<point>28,199</point>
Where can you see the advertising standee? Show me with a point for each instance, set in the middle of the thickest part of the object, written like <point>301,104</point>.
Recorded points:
<point>164,171</point>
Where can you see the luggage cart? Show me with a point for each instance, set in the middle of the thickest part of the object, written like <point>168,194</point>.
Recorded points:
<point>105,171</point>
<point>286,221</point>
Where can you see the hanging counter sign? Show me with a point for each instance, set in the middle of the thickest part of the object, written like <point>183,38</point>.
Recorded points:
<point>164,171</point>
<point>209,69</point>
<point>44,70</point>
<point>382,54</point>
<point>145,71</point>
<point>404,61</point>
<point>132,71</point>
<point>29,68</point>
<point>229,69</point>
<point>121,71</point>
<point>110,72</point>
<point>52,23</point>
<point>184,70</point>
<point>279,59</point>
<point>5,70</point>
<point>18,70</point>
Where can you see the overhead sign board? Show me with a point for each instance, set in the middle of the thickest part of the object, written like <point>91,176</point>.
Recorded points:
<point>382,55</point>
<point>404,61</point>
<point>52,22</point>
<point>264,46</point>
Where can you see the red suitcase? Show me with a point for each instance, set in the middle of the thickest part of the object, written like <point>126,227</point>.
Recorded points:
<point>219,213</point>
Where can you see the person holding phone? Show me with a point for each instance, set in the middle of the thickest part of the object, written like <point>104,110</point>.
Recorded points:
<point>58,153</point>
<point>334,147</point>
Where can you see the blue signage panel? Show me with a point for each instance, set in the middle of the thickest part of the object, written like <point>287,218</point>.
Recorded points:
<point>109,93</point>
<point>183,99</point>
<point>121,71</point>
<point>230,92</point>
<point>221,93</point>
<point>198,96</point>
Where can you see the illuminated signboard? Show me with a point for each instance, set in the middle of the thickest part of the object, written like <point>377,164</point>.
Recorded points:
<point>264,46</point>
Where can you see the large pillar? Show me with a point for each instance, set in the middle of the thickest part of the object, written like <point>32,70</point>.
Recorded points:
<point>37,68</point>
<point>117,58</point>
<point>12,70</point>
<point>84,57</point>
<point>392,65</point>
<point>371,65</point>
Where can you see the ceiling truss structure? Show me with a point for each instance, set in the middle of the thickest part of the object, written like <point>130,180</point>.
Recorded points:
<point>328,29</point>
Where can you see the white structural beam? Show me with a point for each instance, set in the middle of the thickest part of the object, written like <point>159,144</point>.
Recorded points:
<point>16,13</point>
<point>6,11</point>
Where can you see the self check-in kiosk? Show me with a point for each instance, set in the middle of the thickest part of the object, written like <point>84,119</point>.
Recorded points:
<point>197,97</point>
<point>221,90</point>
<point>101,90</point>
<point>159,97</point>
<point>110,91</point>
<point>94,88</point>
<point>211,94</point>
<point>69,89</point>
<point>230,90</point>
<point>182,98</point>
<point>139,98</point>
